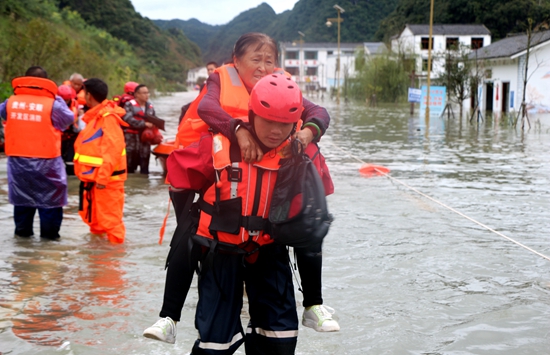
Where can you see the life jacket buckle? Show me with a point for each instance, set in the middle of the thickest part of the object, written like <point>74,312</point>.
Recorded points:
<point>254,233</point>
<point>235,174</point>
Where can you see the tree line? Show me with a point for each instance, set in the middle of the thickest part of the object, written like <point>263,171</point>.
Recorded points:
<point>55,36</point>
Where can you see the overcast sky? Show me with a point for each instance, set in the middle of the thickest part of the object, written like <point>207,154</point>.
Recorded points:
<point>212,12</point>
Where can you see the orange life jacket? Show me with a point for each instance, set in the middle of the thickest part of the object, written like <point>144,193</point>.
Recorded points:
<point>74,107</point>
<point>233,100</point>
<point>234,211</point>
<point>81,97</point>
<point>90,154</point>
<point>29,129</point>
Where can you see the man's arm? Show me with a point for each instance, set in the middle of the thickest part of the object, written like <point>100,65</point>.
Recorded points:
<point>129,117</point>
<point>62,116</point>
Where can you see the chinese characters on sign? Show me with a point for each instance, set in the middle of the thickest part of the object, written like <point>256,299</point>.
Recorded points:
<point>415,95</point>
<point>438,95</point>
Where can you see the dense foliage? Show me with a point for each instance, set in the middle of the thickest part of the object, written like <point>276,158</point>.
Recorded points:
<point>384,77</point>
<point>500,17</point>
<point>62,43</point>
<point>361,19</point>
<point>52,35</point>
<point>168,54</point>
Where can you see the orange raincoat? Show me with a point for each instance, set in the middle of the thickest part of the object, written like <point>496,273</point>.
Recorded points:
<point>100,160</point>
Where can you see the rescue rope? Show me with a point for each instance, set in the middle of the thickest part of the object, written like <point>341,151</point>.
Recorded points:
<point>444,205</point>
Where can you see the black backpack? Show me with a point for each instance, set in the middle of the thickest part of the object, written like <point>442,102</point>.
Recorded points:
<point>299,215</point>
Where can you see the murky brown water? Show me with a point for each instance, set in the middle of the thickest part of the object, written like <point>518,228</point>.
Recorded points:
<point>405,275</point>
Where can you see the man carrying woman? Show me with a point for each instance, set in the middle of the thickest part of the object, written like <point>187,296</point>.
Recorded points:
<point>226,99</point>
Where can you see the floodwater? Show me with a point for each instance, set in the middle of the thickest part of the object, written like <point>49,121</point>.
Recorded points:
<point>405,274</point>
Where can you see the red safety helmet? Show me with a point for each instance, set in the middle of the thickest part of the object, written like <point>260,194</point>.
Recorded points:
<point>66,92</point>
<point>130,86</point>
<point>277,98</point>
<point>151,135</point>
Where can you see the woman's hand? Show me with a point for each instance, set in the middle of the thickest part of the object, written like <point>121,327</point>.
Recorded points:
<point>249,148</point>
<point>305,136</point>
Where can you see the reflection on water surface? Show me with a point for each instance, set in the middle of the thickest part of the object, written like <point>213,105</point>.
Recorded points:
<point>405,275</point>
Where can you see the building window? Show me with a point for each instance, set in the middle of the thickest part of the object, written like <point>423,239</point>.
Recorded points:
<point>424,42</point>
<point>452,43</point>
<point>477,43</point>
<point>425,65</point>
<point>292,55</point>
<point>329,52</point>
<point>292,70</point>
<point>311,71</point>
<point>311,55</point>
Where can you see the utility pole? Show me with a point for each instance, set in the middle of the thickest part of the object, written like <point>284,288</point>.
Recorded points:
<point>302,57</point>
<point>413,77</point>
<point>329,23</point>
<point>430,44</point>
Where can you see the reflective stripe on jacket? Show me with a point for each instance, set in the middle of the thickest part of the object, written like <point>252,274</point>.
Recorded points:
<point>29,129</point>
<point>100,151</point>
<point>234,211</point>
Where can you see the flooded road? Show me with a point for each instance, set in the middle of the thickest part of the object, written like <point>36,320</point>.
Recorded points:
<point>405,275</point>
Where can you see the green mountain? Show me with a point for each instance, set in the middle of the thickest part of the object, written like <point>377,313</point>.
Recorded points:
<point>101,38</point>
<point>36,32</point>
<point>361,21</point>
<point>168,53</point>
<point>500,17</point>
<point>198,32</point>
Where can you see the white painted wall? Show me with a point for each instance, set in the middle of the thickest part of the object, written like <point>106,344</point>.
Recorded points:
<point>512,71</point>
<point>194,74</point>
<point>407,42</point>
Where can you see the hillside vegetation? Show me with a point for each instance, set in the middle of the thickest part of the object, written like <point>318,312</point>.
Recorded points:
<point>60,39</point>
<point>500,17</point>
<point>361,20</point>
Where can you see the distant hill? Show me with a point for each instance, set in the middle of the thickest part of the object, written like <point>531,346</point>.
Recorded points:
<point>167,53</point>
<point>198,32</point>
<point>361,21</point>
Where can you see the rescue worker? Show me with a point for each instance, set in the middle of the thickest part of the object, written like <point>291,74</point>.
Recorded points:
<point>138,152</point>
<point>128,95</point>
<point>68,138</point>
<point>35,118</point>
<point>219,107</point>
<point>100,163</point>
<point>233,232</point>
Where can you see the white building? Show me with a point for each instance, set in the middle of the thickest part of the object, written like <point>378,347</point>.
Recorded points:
<point>503,63</point>
<point>313,65</point>
<point>414,41</point>
<point>194,74</point>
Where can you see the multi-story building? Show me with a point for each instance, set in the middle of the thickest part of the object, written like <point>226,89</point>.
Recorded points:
<point>313,65</point>
<point>413,42</point>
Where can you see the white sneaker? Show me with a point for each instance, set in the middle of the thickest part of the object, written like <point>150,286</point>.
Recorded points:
<point>164,330</point>
<point>319,317</point>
